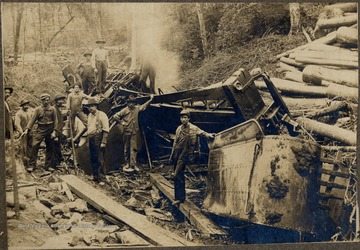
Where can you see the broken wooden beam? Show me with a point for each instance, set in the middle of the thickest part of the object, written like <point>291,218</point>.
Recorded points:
<point>342,135</point>
<point>152,233</point>
<point>315,74</point>
<point>67,191</point>
<point>338,106</point>
<point>190,210</point>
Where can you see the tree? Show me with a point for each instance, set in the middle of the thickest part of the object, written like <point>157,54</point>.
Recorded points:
<point>295,18</point>
<point>18,13</point>
<point>204,40</point>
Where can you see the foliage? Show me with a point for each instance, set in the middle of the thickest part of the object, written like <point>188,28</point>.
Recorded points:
<point>310,13</point>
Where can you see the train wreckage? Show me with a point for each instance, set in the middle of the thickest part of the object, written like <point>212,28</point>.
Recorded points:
<point>262,168</point>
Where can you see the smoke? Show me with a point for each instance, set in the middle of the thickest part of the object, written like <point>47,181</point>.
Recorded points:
<point>150,27</point>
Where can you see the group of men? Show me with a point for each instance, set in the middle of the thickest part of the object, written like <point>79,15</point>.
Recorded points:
<point>49,120</point>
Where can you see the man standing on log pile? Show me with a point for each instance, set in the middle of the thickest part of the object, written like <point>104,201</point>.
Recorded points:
<point>185,144</point>
<point>45,116</point>
<point>87,75</point>
<point>128,118</point>
<point>60,101</point>
<point>97,133</point>
<point>22,118</point>
<point>74,105</point>
<point>8,118</point>
<point>100,64</point>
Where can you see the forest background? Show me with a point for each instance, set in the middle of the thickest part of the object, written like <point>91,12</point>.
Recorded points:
<point>190,44</point>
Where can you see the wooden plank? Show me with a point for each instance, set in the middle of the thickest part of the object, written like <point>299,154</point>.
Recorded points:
<point>334,173</point>
<point>189,209</point>
<point>67,191</point>
<point>331,184</point>
<point>152,233</point>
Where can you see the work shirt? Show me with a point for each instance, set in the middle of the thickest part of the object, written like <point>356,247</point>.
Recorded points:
<point>44,116</point>
<point>60,118</point>
<point>22,118</point>
<point>74,101</point>
<point>99,55</point>
<point>129,118</point>
<point>97,123</point>
<point>186,141</point>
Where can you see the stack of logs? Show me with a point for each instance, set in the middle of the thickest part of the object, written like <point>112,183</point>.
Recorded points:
<point>325,68</point>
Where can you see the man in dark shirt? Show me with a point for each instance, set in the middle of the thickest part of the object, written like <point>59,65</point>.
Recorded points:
<point>60,101</point>
<point>128,118</point>
<point>45,116</point>
<point>185,143</point>
<point>87,74</point>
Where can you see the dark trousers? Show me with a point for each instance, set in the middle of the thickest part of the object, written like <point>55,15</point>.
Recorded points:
<point>130,148</point>
<point>58,157</point>
<point>96,154</point>
<point>101,67</point>
<point>81,115</point>
<point>42,132</point>
<point>179,179</point>
<point>145,73</point>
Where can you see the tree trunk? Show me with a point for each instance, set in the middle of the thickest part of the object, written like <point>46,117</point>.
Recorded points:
<point>294,76</point>
<point>346,7</point>
<point>295,18</point>
<point>336,22</point>
<point>333,132</point>
<point>202,27</point>
<point>337,106</point>
<point>100,20</point>
<point>315,74</point>
<point>329,62</point>
<point>40,28</point>
<point>19,15</point>
<point>341,56</point>
<point>57,32</point>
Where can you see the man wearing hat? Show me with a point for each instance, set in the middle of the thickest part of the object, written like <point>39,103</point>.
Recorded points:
<point>74,105</point>
<point>100,63</point>
<point>128,118</point>
<point>60,100</point>
<point>8,118</point>
<point>97,133</point>
<point>22,118</point>
<point>46,118</point>
<point>185,144</point>
<point>87,75</point>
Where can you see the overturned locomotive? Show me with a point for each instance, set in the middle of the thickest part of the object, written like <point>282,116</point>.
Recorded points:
<point>261,169</point>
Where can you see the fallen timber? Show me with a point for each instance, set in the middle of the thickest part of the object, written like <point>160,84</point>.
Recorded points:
<point>272,180</point>
<point>139,223</point>
<point>190,210</point>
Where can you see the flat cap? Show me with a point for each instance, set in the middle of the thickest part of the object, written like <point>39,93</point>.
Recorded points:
<point>44,96</point>
<point>59,96</point>
<point>23,102</point>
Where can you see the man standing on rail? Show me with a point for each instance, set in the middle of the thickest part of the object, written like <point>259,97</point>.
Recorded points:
<point>185,143</point>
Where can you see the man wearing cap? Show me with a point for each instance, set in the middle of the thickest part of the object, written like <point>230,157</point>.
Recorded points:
<point>87,75</point>
<point>185,144</point>
<point>45,116</point>
<point>60,101</point>
<point>128,118</point>
<point>8,118</point>
<point>74,105</point>
<point>100,63</point>
<point>22,118</point>
<point>97,133</point>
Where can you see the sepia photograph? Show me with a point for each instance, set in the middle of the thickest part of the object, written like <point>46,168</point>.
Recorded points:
<point>179,124</point>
